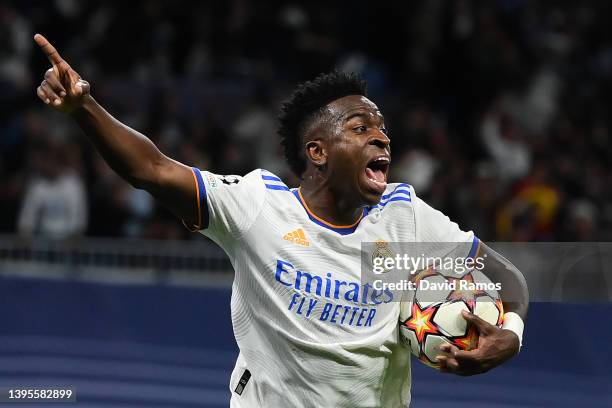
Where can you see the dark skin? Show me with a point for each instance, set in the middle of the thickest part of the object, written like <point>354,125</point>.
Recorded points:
<point>495,345</point>
<point>339,147</point>
<point>130,154</point>
<point>351,134</point>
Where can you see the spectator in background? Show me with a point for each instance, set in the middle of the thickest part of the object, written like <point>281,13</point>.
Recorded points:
<point>504,143</point>
<point>494,82</point>
<point>530,213</point>
<point>478,201</point>
<point>582,221</point>
<point>55,203</point>
<point>255,130</point>
<point>121,209</point>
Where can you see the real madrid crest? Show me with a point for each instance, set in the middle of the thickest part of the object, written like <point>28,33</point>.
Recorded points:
<point>382,250</point>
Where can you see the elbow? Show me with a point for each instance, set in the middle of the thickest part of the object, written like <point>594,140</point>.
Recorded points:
<point>523,288</point>
<point>520,295</point>
<point>514,292</point>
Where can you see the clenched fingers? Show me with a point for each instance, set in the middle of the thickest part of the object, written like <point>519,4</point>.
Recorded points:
<point>50,93</point>
<point>54,82</point>
<point>42,95</point>
<point>447,364</point>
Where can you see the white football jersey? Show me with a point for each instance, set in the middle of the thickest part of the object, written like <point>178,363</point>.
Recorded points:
<point>309,333</point>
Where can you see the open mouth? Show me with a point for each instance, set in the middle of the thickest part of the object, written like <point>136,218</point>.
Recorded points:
<point>376,173</point>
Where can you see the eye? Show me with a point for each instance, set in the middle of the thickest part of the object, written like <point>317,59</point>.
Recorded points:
<point>360,129</point>
<point>384,130</point>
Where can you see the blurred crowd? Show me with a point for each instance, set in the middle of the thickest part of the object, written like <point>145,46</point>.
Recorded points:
<point>499,111</point>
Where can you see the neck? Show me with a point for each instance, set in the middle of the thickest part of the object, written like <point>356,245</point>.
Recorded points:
<point>327,204</point>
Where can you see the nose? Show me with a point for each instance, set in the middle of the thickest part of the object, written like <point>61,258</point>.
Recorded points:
<point>380,139</point>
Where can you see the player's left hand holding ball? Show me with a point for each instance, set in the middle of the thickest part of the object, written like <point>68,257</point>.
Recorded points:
<point>62,89</point>
<point>495,346</point>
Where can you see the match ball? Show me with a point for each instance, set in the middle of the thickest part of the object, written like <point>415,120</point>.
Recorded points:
<point>431,314</point>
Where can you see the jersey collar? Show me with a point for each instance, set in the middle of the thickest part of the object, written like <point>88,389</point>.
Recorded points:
<point>340,229</point>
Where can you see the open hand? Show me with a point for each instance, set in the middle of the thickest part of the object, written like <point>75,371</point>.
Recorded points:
<point>495,346</point>
<point>62,88</point>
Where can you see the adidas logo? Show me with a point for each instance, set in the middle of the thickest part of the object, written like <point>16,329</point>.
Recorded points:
<point>297,237</point>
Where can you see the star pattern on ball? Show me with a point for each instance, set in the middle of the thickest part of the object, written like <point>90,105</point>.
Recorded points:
<point>421,321</point>
<point>466,295</point>
<point>469,341</point>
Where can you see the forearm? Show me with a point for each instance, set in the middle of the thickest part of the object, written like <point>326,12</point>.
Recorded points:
<point>514,291</point>
<point>129,153</point>
<point>132,155</point>
<point>495,344</point>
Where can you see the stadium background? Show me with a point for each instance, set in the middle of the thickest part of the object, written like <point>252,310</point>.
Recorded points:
<point>499,113</point>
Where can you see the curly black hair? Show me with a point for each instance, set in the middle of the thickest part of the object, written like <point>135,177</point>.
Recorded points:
<point>307,103</point>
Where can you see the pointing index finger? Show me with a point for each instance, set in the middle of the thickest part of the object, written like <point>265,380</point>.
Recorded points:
<point>54,58</point>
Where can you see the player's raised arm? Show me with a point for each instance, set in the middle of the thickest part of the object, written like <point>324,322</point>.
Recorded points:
<point>132,155</point>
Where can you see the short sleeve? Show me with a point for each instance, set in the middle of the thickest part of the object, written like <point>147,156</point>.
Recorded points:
<point>433,227</point>
<point>227,204</point>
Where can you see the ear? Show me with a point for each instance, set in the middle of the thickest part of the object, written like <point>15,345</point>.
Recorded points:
<point>316,152</point>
